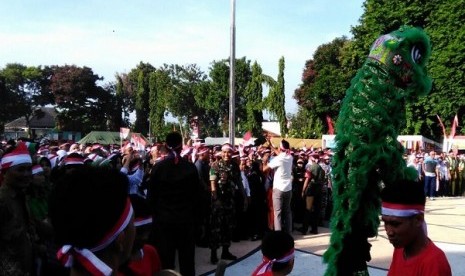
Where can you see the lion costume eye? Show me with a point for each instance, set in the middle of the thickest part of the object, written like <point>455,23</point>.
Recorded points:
<point>416,54</point>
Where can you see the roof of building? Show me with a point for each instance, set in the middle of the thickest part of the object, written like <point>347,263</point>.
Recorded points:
<point>45,121</point>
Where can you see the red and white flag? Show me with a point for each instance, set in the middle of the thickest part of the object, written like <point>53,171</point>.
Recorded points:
<point>330,125</point>
<point>455,124</point>
<point>247,139</point>
<point>139,142</point>
<point>442,126</point>
<point>123,132</point>
<point>195,128</point>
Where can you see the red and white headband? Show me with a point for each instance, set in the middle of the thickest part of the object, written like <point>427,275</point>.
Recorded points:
<point>142,221</point>
<point>267,264</point>
<point>401,210</point>
<point>73,161</point>
<point>281,147</point>
<point>67,254</point>
<point>186,151</point>
<point>202,151</point>
<point>20,155</point>
<point>37,169</point>
<point>226,147</point>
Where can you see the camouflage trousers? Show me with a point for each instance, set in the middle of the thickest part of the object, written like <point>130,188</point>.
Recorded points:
<point>222,223</point>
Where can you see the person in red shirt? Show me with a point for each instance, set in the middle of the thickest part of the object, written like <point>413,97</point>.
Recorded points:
<point>278,254</point>
<point>144,260</point>
<point>403,207</point>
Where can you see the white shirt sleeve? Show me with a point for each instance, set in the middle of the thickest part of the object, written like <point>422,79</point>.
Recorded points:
<point>274,162</point>
<point>124,170</point>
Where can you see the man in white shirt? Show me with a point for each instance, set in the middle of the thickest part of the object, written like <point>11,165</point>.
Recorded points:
<point>282,187</point>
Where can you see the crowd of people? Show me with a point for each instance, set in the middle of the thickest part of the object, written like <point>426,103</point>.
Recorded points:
<point>443,173</point>
<point>116,209</point>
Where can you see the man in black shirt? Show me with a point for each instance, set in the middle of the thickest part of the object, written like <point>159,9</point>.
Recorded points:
<point>173,192</point>
<point>203,168</point>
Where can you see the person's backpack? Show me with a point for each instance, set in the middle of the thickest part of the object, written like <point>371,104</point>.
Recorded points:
<point>318,174</point>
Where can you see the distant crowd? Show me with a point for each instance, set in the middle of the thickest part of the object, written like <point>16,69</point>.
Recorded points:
<point>443,173</point>
<point>233,193</point>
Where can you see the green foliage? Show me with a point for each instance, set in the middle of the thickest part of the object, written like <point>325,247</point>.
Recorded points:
<point>382,17</point>
<point>124,100</point>
<point>112,106</point>
<point>80,102</point>
<point>7,104</point>
<point>253,98</point>
<point>325,81</point>
<point>443,21</point>
<point>328,74</point>
<point>218,94</point>
<point>305,126</point>
<point>138,85</point>
<point>188,99</point>
<point>24,91</point>
<point>160,85</point>
<point>276,99</point>
<point>447,64</point>
<point>243,75</point>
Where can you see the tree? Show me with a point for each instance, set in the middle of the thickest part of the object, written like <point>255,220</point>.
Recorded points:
<point>276,99</point>
<point>382,17</point>
<point>447,64</point>
<point>24,92</point>
<point>138,81</point>
<point>305,125</point>
<point>243,75</point>
<point>124,99</point>
<point>7,105</point>
<point>160,85</point>
<point>254,102</point>
<point>324,82</point>
<point>218,95</point>
<point>79,100</point>
<point>208,118</point>
<point>443,21</point>
<point>113,107</point>
<point>191,98</point>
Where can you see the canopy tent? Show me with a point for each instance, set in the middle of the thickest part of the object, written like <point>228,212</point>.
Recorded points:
<point>107,138</point>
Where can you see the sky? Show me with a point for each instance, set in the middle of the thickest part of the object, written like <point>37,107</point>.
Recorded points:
<point>114,36</point>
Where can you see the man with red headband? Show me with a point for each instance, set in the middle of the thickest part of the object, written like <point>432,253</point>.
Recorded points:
<point>225,183</point>
<point>403,208</point>
<point>17,235</point>
<point>278,254</point>
<point>93,219</point>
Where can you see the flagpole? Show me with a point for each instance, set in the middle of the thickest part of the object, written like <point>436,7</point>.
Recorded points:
<point>120,138</point>
<point>232,66</point>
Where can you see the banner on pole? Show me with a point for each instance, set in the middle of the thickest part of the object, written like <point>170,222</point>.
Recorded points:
<point>124,132</point>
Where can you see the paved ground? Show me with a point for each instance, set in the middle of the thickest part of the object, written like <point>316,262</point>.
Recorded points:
<point>445,218</point>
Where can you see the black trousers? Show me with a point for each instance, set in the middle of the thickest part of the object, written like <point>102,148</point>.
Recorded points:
<point>171,237</point>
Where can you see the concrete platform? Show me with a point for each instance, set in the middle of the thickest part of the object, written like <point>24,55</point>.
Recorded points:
<point>445,218</point>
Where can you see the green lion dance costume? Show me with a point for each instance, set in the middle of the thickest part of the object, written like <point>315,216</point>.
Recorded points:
<point>367,153</point>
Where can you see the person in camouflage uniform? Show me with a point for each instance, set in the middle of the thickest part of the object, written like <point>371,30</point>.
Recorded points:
<point>225,181</point>
<point>325,189</point>
<point>312,192</point>
<point>17,232</point>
